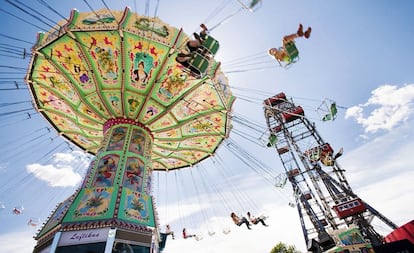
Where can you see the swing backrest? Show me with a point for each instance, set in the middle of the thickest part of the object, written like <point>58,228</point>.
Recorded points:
<point>292,51</point>
<point>198,64</point>
<point>292,54</point>
<point>334,110</point>
<point>210,44</point>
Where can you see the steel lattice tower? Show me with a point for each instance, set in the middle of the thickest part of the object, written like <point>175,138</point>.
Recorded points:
<point>323,197</point>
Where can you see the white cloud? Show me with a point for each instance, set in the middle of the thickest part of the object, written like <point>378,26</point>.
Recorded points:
<point>64,157</point>
<point>394,149</point>
<point>177,212</point>
<point>380,172</point>
<point>386,108</point>
<point>61,173</point>
<point>21,241</point>
<point>54,176</point>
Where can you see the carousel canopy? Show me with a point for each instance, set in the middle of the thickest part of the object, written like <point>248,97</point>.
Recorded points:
<point>106,65</point>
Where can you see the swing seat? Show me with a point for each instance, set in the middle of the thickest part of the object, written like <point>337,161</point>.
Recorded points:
<point>292,51</point>
<point>331,114</point>
<point>251,5</point>
<point>281,180</point>
<point>272,140</point>
<point>263,217</point>
<point>226,231</point>
<point>210,44</point>
<point>198,65</point>
<point>292,54</point>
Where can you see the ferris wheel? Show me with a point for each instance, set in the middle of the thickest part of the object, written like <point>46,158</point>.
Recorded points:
<point>325,202</point>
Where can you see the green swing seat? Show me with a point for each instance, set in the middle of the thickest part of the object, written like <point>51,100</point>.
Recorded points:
<point>210,44</point>
<point>198,64</point>
<point>293,54</point>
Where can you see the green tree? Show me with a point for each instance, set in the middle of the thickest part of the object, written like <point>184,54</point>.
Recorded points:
<point>284,248</point>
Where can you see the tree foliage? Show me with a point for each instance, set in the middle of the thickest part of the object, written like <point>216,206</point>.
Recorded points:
<point>284,248</point>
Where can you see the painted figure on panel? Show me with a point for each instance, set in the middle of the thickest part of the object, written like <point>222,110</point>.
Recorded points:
<point>134,172</point>
<point>117,139</point>
<point>105,173</point>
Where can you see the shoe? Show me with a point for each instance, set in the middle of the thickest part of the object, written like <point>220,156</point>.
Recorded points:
<point>197,37</point>
<point>300,30</point>
<point>340,152</point>
<point>204,27</point>
<point>308,33</point>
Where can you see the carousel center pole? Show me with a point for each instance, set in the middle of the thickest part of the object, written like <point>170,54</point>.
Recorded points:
<point>113,210</point>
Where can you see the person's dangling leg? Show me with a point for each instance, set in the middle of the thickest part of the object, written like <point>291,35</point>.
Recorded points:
<point>290,37</point>
<point>247,223</point>
<point>263,223</point>
<point>300,30</point>
<point>308,32</point>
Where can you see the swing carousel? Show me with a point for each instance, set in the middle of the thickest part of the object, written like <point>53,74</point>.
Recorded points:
<point>108,81</point>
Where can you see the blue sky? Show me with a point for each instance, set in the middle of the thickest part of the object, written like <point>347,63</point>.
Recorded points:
<point>359,54</point>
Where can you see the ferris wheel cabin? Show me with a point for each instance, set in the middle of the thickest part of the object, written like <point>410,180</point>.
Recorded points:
<point>350,208</point>
<point>293,114</point>
<point>275,100</point>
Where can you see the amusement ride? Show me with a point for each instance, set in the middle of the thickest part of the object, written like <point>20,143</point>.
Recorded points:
<point>111,84</point>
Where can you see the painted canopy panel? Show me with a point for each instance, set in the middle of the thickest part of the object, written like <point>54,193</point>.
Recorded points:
<point>117,64</point>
